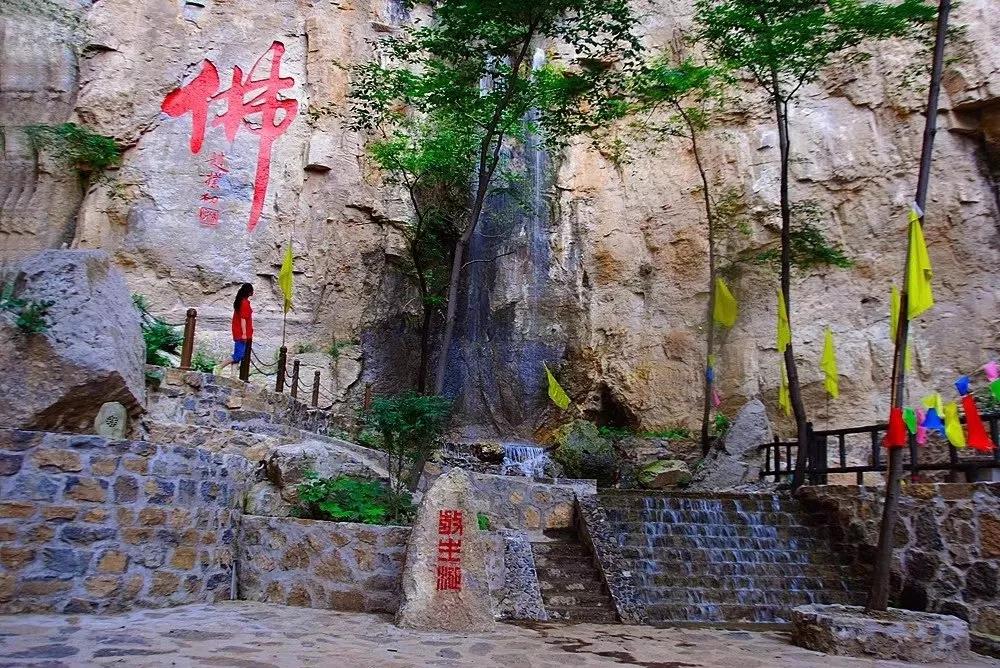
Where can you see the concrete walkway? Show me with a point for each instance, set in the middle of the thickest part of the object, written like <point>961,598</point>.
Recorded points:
<point>256,635</point>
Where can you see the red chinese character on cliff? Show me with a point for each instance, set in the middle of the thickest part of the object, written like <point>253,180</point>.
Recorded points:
<point>247,96</point>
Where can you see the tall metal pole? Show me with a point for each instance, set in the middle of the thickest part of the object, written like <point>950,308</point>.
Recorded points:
<point>878,597</point>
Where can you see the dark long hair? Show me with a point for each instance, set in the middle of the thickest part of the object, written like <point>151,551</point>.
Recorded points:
<point>243,293</point>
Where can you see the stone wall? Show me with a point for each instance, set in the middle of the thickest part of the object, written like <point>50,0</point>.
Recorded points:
<point>93,525</point>
<point>947,544</point>
<point>595,532</point>
<point>202,399</point>
<point>311,563</point>
<point>514,502</point>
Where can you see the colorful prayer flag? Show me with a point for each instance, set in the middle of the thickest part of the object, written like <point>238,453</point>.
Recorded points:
<point>910,419</point>
<point>962,385</point>
<point>893,312</point>
<point>992,370</point>
<point>952,425</point>
<point>716,397</point>
<point>921,427</point>
<point>995,389</point>
<point>828,363</point>
<point>724,312</point>
<point>784,328</point>
<point>784,398</point>
<point>978,438</point>
<point>919,295</point>
<point>285,277</point>
<point>895,435</point>
<point>556,393</point>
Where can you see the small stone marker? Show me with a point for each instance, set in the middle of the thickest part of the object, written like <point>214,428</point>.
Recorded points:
<point>445,582</point>
<point>111,420</point>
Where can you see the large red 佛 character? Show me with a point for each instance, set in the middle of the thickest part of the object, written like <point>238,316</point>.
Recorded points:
<point>246,97</point>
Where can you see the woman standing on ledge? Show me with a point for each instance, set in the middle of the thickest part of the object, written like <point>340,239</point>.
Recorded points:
<point>242,325</point>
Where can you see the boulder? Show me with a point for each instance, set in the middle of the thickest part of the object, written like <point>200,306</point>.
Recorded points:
<point>90,353</point>
<point>664,473</point>
<point>446,583</point>
<point>736,461</point>
<point>265,499</point>
<point>583,453</point>
<point>286,465</point>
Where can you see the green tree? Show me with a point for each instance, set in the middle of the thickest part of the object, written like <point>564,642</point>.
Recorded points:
<point>409,425</point>
<point>783,45</point>
<point>690,93</point>
<point>470,71</point>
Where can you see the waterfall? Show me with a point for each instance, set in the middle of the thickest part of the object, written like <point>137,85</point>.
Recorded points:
<point>530,460</point>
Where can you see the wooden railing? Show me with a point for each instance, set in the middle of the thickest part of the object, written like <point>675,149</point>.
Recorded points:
<point>779,456</point>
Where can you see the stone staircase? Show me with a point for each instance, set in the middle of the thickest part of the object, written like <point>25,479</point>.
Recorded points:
<point>571,585</point>
<point>728,558</point>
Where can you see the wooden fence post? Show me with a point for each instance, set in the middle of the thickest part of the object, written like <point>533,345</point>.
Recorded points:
<point>279,383</point>
<point>315,397</point>
<point>295,379</point>
<point>187,349</point>
<point>245,363</point>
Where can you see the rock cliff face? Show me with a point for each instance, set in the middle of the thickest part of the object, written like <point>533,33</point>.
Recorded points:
<point>606,271</point>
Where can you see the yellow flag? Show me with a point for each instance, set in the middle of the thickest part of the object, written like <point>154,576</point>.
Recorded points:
<point>556,393</point>
<point>784,329</point>
<point>934,401</point>
<point>893,312</point>
<point>828,363</point>
<point>784,398</point>
<point>285,277</point>
<point>952,425</point>
<point>724,312</point>
<point>918,271</point>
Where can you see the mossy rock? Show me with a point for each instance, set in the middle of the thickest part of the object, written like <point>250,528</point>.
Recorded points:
<point>664,473</point>
<point>583,453</point>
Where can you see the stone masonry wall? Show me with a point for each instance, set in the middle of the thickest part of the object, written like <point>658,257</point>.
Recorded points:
<point>89,524</point>
<point>316,564</point>
<point>947,544</point>
<point>513,502</point>
<point>203,399</point>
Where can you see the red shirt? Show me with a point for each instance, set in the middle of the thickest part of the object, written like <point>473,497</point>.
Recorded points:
<point>244,313</point>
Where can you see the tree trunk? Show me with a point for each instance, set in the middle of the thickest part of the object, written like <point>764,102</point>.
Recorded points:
<point>425,347</point>
<point>878,597</point>
<point>794,388</point>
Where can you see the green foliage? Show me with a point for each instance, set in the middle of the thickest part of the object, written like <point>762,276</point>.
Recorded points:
<point>584,453</point>
<point>483,521</point>
<point>409,425</point>
<point>810,250</point>
<point>29,314</point>
<point>721,423</point>
<point>202,362</point>
<point>305,348</point>
<point>784,44</point>
<point>338,346</point>
<point>160,338</point>
<point>75,145</point>
<point>614,433</point>
<point>352,499</point>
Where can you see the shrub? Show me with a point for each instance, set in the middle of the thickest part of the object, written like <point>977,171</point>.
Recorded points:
<point>721,423</point>
<point>584,453</point>
<point>409,425</point>
<point>75,145</point>
<point>160,338</point>
<point>483,521</point>
<point>29,315</point>
<point>202,362</point>
<point>614,433</point>
<point>668,433</point>
<point>352,499</point>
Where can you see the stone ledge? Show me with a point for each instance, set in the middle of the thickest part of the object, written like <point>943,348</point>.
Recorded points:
<point>902,635</point>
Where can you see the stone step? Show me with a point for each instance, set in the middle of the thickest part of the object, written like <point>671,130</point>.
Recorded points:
<point>720,530</point>
<point>789,599</point>
<point>833,582</point>
<point>668,612</point>
<point>577,600</point>
<point>653,543</point>
<point>702,569</point>
<point>564,560</point>
<point>571,572</point>
<point>577,614</point>
<point>664,558</point>
<point>556,585</point>
<point>770,519</point>
<point>559,549</point>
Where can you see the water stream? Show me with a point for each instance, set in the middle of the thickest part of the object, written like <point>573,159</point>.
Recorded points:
<point>524,458</point>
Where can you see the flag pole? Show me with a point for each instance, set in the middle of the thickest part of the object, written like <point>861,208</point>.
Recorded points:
<point>878,598</point>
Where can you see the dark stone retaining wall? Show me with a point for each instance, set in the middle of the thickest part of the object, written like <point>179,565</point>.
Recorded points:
<point>947,544</point>
<point>595,532</point>
<point>316,564</point>
<point>89,524</point>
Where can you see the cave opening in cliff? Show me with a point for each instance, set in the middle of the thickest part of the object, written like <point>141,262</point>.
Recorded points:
<point>613,412</point>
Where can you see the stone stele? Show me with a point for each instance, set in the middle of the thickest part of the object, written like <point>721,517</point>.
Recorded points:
<point>425,606</point>
<point>111,420</point>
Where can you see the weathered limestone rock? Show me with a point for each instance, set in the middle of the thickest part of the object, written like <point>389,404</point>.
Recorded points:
<point>433,604</point>
<point>736,460</point>
<point>265,499</point>
<point>902,635</point>
<point>664,473</point>
<point>286,465</point>
<point>91,353</point>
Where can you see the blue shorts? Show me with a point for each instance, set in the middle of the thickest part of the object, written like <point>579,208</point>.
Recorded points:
<point>239,350</point>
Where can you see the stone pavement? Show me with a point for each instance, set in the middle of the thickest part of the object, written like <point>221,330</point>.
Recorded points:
<point>255,635</point>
